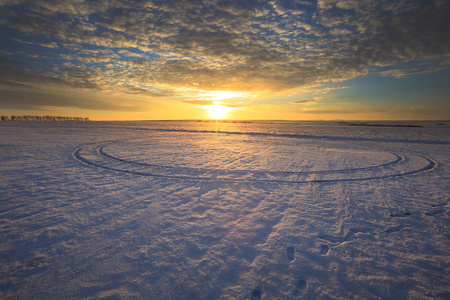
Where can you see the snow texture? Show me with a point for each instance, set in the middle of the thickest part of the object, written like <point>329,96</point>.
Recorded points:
<point>206,210</point>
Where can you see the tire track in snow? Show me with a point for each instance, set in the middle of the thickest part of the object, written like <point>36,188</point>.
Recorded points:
<point>398,159</point>
<point>95,155</point>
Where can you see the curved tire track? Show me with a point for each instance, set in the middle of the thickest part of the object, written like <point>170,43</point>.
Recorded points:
<point>96,156</point>
<point>398,159</point>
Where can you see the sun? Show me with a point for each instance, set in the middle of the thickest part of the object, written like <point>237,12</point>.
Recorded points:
<point>217,111</point>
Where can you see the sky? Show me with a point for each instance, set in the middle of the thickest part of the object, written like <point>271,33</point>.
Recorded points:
<point>253,59</point>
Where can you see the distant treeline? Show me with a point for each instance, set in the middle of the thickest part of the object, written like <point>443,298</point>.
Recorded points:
<point>42,118</point>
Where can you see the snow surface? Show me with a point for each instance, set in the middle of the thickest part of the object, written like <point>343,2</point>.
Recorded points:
<point>206,210</point>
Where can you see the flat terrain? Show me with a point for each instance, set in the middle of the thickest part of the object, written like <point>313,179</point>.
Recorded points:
<point>204,210</point>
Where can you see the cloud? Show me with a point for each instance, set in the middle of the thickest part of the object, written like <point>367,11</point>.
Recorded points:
<point>13,73</point>
<point>45,99</point>
<point>304,101</point>
<point>328,89</point>
<point>399,73</point>
<point>154,48</point>
<point>199,102</point>
<point>148,92</point>
<point>47,45</point>
<point>22,88</point>
<point>309,101</point>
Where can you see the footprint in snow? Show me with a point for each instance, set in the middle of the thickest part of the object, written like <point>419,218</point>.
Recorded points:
<point>256,294</point>
<point>401,215</point>
<point>438,209</point>
<point>290,252</point>
<point>433,213</point>
<point>300,286</point>
<point>324,249</point>
<point>394,229</point>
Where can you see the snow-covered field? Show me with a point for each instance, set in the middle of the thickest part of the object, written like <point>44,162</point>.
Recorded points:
<point>205,210</point>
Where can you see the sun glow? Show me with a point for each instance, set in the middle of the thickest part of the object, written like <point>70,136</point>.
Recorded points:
<point>222,102</point>
<point>221,95</point>
<point>217,111</point>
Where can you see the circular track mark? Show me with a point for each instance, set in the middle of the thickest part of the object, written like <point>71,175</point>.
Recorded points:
<point>403,165</point>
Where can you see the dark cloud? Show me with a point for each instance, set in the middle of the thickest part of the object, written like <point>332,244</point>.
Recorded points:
<point>148,92</point>
<point>305,101</point>
<point>399,73</point>
<point>13,73</point>
<point>22,88</point>
<point>48,100</point>
<point>199,102</point>
<point>205,44</point>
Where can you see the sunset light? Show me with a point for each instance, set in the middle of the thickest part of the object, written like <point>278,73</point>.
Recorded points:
<point>262,60</point>
<point>226,149</point>
<point>218,111</point>
<point>221,95</point>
